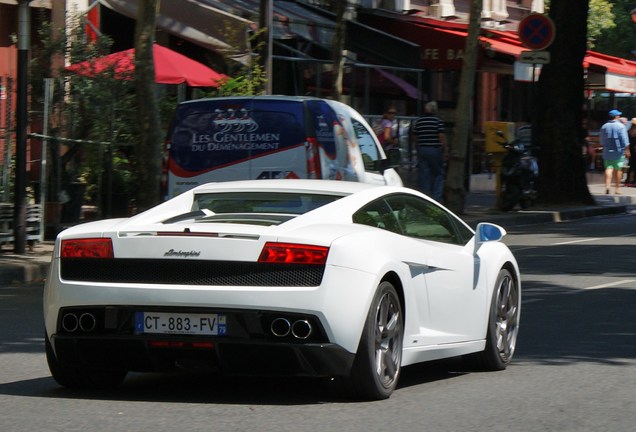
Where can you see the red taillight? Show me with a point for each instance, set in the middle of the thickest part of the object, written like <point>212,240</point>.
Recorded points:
<point>291,253</point>
<point>87,248</point>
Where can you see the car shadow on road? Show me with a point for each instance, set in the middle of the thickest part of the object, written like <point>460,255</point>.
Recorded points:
<point>192,387</point>
<point>187,387</point>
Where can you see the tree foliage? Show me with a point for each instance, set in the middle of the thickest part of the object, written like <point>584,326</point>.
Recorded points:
<point>250,79</point>
<point>84,114</point>
<point>601,19</point>
<point>93,118</point>
<point>609,27</point>
<point>620,39</point>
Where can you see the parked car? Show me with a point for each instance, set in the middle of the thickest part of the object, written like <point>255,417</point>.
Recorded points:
<point>269,137</point>
<point>288,277</point>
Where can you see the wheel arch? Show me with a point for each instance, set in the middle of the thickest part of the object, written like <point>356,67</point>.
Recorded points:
<point>395,280</point>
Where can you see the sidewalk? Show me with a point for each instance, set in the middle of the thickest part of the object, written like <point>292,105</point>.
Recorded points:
<point>481,204</point>
<point>32,266</point>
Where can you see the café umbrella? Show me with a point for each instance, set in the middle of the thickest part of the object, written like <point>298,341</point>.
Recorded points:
<point>171,67</point>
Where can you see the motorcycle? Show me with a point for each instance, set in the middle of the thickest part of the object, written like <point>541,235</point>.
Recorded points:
<point>519,173</point>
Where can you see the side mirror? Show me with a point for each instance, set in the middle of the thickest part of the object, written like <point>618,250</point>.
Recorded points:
<point>487,232</point>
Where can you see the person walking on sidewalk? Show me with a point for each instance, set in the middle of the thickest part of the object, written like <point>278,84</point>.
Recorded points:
<point>631,155</point>
<point>428,131</point>
<point>388,129</point>
<point>614,141</point>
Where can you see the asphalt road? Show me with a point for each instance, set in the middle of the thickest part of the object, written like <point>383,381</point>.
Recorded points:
<point>574,370</point>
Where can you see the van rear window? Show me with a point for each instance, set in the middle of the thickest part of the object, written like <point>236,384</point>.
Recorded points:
<point>323,119</point>
<point>216,133</point>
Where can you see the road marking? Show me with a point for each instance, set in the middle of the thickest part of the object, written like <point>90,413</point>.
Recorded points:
<point>575,241</point>
<point>526,301</point>
<point>611,284</point>
<point>607,285</point>
<point>525,248</point>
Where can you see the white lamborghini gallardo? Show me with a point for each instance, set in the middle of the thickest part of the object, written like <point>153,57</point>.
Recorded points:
<point>295,277</point>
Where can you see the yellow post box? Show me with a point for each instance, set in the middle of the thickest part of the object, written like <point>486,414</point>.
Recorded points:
<point>494,146</point>
<point>493,140</point>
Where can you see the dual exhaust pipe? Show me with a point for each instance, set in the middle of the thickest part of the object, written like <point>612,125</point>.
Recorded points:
<point>85,322</point>
<point>300,329</point>
<point>280,327</point>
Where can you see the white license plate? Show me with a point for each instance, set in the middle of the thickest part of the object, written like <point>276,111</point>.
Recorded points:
<point>178,323</point>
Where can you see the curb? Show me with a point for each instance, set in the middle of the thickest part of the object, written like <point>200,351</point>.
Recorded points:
<point>19,271</point>
<point>530,217</point>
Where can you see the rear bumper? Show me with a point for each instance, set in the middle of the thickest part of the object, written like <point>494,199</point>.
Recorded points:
<point>227,356</point>
<point>252,342</point>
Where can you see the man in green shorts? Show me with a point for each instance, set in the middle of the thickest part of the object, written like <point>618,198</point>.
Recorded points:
<point>614,141</point>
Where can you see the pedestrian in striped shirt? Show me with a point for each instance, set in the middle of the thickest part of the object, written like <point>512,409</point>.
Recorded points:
<point>428,133</point>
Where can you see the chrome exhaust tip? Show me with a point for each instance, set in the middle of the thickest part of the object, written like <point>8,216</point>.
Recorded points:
<point>301,329</point>
<point>280,327</point>
<point>70,323</point>
<point>87,322</point>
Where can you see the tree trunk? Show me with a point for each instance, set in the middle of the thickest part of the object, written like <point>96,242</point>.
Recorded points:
<point>338,47</point>
<point>454,190</point>
<point>148,154</point>
<point>558,114</point>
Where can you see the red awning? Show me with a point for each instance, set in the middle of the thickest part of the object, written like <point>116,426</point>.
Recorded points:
<point>442,43</point>
<point>170,68</point>
<point>442,46</point>
<point>503,42</point>
<point>619,74</point>
<point>439,49</point>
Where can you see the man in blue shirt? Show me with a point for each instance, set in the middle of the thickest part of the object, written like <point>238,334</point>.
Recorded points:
<point>614,141</point>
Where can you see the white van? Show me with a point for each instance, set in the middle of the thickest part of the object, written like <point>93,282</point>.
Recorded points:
<point>263,137</point>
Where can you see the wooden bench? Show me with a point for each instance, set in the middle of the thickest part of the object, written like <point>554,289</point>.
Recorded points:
<point>33,223</point>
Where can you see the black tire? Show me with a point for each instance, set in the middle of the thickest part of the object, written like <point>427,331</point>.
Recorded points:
<point>503,325</point>
<point>377,365</point>
<point>77,377</point>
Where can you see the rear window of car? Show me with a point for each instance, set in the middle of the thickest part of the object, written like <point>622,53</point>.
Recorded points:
<point>261,202</point>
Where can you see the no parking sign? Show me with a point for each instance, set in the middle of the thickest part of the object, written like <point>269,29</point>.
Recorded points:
<point>536,31</point>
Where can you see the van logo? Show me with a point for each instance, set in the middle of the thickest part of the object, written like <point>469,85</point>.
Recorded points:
<point>229,121</point>
<point>322,123</point>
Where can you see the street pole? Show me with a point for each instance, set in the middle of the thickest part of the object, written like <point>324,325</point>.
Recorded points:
<point>266,20</point>
<point>48,97</point>
<point>19,209</point>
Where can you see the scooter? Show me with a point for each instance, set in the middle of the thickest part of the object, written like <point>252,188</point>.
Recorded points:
<point>519,173</point>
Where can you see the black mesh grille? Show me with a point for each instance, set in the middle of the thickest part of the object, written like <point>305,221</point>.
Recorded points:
<point>190,272</point>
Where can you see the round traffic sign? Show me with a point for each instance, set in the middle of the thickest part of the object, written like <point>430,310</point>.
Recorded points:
<point>536,31</point>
